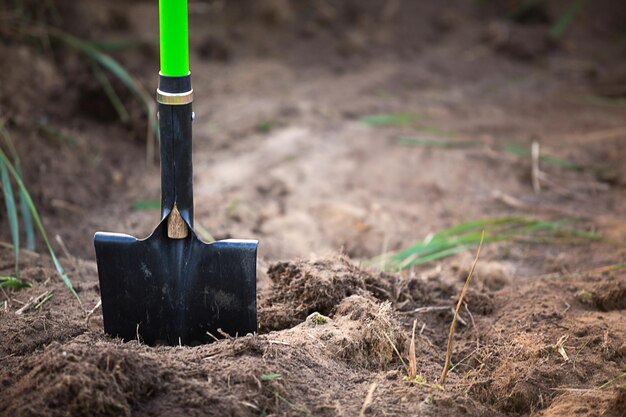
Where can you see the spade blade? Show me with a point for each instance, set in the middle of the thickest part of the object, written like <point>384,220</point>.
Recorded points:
<point>176,291</point>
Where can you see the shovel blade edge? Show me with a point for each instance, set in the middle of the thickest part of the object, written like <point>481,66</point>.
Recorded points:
<point>165,291</point>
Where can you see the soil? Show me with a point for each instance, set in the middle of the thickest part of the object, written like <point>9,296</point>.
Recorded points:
<point>281,156</point>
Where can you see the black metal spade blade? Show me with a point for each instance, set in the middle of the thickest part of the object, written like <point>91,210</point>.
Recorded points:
<point>172,288</point>
<point>171,291</point>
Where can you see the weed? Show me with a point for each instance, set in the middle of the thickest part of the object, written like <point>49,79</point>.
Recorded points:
<point>13,282</point>
<point>467,235</point>
<point>6,163</point>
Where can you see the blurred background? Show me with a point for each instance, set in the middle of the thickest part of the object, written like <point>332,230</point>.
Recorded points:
<point>322,126</point>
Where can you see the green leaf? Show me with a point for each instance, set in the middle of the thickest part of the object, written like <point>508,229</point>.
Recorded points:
<point>13,282</point>
<point>37,219</point>
<point>108,89</point>
<point>9,202</point>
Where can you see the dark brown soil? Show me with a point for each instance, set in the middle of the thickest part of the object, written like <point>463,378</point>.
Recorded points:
<point>280,155</point>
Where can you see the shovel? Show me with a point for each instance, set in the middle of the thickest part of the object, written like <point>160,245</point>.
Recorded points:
<point>172,288</point>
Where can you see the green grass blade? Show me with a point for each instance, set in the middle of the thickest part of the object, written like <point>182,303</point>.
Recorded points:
<point>9,202</point>
<point>108,89</point>
<point>113,66</point>
<point>467,235</point>
<point>388,119</point>
<point>45,299</point>
<point>37,219</point>
<point>8,281</point>
<point>91,51</point>
<point>203,232</point>
<point>561,25</point>
<point>26,218</point>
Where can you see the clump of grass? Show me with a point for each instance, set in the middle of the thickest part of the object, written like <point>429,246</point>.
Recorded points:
<point>10,172</point>
<point>99,60</point>
<point>10,204</point>
<point>467,235</point>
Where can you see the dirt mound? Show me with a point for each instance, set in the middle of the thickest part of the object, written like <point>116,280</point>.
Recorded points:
<point>518,382</point>
<point>369,330</point>
<point>301,288</point>
<point>80,381</point>
<point>304,287</point>
<point>27,335</point>
<point>610,296</point>
<point>617,405</point>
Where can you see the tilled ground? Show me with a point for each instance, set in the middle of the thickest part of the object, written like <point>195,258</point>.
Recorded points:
<point>281,155</point>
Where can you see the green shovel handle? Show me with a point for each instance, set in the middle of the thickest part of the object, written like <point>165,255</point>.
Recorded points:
<point>174,37</point>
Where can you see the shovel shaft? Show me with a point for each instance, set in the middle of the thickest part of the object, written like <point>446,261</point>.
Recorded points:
<point>175,118</point>
<point>174,37</point>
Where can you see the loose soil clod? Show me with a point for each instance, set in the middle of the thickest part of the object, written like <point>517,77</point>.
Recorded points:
<point>610,296</point>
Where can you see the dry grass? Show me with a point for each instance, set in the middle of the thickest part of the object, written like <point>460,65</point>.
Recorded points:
<point>446,366</point>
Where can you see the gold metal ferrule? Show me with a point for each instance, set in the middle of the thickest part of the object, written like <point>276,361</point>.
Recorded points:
<point>174,99</point>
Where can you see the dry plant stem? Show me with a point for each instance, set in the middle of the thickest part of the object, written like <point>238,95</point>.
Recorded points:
<point>429,309</point>
<point>412,357</point>
<point>446,366</point>
<point>368,399</point>
<point>535,166</point>
<point>395,349</point>
<point>93,310</point>
<point>31,302</point>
